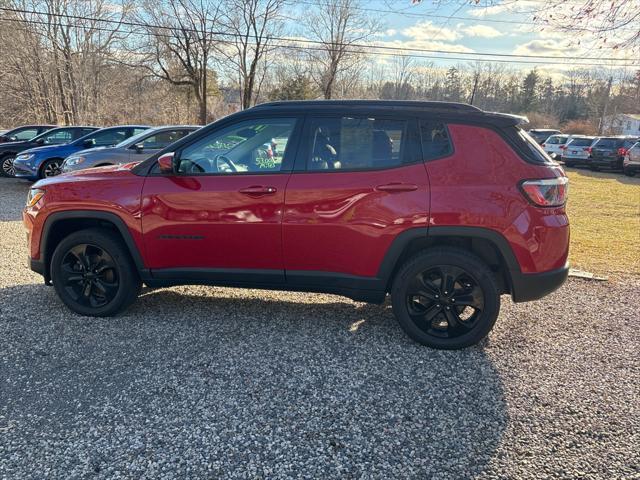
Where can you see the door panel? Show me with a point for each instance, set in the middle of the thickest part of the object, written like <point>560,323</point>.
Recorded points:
<point>223,209</point>
<point>343,215</point>
<point>206,222</point>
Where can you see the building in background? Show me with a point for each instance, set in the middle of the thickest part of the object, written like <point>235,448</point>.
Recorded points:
<point>621,124</point>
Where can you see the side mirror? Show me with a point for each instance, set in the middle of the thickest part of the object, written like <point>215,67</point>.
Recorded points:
<point>13,138</point>
<point>138,147</point>
<point>165,163</point>
<point>89,142</point>
<point>39,141</point>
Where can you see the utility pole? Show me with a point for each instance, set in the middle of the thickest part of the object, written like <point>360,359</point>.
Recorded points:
<point>606,105</point>
<point>475,87</point>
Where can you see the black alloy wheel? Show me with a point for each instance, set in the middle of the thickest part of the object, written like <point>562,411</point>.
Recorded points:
<point>93,273</point>
<point>444,301</point>
<point>445,298</point>
<point>89,275</point>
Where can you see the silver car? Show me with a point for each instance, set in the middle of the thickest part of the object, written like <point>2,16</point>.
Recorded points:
<point>577,150</point>
<point>134,149</point>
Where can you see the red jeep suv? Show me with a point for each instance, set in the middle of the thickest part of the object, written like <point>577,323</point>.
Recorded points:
<point>442,205</point>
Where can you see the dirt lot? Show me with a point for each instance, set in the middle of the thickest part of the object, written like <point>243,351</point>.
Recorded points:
<point>199,382</point>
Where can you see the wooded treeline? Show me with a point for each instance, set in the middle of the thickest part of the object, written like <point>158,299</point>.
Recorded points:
<point>192,61</point>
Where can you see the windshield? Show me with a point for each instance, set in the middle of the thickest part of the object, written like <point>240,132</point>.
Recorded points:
<point>608,143</point>
<point>133,140</point>
<point>555,140</point>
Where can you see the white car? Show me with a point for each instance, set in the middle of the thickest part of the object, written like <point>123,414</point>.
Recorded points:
<point>577,150</point>
<point>555,145</point>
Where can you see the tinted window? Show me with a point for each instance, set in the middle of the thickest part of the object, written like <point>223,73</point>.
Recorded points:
<point>349,143</point>
<point>26,134</point>
<point>556,140</point>
<point>252,146</point>
<point>581,142</point>
<point>435,140</point>
<point>109,137</point>
<point>162,139</point>
<point>539,155</point>
<point>608,143</point>
<point>83,132</point>
<point>57,138</point>
<point>138,130</point>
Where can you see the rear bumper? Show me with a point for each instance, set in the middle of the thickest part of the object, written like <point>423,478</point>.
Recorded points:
<point>606,162</point>
<point>526,287</point>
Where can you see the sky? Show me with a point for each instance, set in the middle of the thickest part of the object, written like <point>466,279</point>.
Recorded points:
<point>504,28</point>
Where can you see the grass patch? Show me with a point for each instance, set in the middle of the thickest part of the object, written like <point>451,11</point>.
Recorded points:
<point>604,213</point>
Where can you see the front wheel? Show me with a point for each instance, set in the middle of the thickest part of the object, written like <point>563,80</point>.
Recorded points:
<point>51,168</point>
<point>445,298</point>
<point>6,166</point>
<point>93,273</point>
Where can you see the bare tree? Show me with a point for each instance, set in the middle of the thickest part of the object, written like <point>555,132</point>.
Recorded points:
<point>183,36</point>
<point>251,25</point>
<point>338,26</point>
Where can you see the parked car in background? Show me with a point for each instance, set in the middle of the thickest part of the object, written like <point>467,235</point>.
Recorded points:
<point>441,205</point>
<point>134,149</point>
<point>631,162</point>
<point>609,152</point>
<point>541,134</point>
<point>3,131</point>
<point>55,136</point>
<point>577,151</point>
<point>47,161</point>
<point>26,132</point>
<point>555,145</point>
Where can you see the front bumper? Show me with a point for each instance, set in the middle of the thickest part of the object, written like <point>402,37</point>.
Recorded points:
<point>526,287</point>
<point>25,170</point>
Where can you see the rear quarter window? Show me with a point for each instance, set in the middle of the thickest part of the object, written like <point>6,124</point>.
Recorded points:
<point>436,142</point>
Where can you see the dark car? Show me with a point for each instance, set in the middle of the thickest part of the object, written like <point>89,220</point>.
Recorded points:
<point>609,152</point>
<point>541,134</point>
<point>25,132</point>
<point>441,205</point>
<point>55,136</point>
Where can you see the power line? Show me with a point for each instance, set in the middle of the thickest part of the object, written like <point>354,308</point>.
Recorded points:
<point>349,48</point>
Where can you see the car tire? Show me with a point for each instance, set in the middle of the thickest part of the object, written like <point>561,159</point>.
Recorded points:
<point>426,307</point>
<point>628,172</point>
<point>93,273</point>
<point>50,168</point>
<point>6,166</point>
<point>569,163</point>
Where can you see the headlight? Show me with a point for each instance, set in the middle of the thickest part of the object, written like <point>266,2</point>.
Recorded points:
<point>25,157</point>
<point>35,194</point>
<point>75,160</point>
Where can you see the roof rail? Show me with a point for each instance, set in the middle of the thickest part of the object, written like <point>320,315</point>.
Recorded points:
<point>375,103</point>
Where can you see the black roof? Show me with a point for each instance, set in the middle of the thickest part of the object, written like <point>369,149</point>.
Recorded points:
<point>453,109</point>
<point>455,106</point>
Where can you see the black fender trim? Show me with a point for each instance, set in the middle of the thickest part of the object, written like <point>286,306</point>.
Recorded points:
<point>88,215</point>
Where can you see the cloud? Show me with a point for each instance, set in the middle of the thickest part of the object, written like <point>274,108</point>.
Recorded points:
<point>523,6</point>
<point>547,47</point>
<point>483,31</point>
<point>427,31</point>
<point>424,45</point>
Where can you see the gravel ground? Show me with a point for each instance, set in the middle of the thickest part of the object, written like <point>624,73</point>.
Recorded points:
<point>199,382</point>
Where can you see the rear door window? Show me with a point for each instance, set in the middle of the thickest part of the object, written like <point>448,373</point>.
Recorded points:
<point>436,142</point>
<point>356,143</point>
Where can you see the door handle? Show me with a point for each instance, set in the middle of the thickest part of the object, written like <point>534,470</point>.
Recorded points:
<point>258,190</point>
<point>397,187</point>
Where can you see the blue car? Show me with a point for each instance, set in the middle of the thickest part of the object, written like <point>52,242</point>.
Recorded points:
<point>42,162</point>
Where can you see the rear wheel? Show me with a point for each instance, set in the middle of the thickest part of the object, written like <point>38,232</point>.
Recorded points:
<point>6,166</point>
<point>629,173</point>
<point>93,273</point>
<point>51,168</point>
<point>445,298</point>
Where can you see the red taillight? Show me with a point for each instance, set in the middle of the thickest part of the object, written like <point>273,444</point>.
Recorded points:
<point>562,147</point>
<point>548,192</point>
<point>589,149</point>
<point>543,145</point>
<point>622,151</point>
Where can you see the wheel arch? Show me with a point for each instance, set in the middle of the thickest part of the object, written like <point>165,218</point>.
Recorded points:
<point>59,225</point>
<point>489,245</point>
<point>44,162</point>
